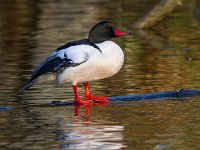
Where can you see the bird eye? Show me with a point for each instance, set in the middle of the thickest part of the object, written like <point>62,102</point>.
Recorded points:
<point>111,31</point>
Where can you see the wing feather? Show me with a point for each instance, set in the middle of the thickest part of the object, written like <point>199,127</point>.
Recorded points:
<point>50,65</point>
<point>71,54</point>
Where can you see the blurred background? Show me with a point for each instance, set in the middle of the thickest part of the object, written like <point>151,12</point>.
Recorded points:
<point>163,56</point>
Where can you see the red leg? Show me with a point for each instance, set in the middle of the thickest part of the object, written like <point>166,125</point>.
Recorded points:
<point>94,98</point>
<point>77,99</point>
<point>87,91</point>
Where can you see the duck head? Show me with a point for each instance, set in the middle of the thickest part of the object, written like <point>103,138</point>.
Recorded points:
<point>104,31</point>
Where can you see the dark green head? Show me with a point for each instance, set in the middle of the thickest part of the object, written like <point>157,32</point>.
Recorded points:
<point>104,31</point>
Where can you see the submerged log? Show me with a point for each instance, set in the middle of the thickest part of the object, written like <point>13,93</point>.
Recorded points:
<point>168,95</point>
<point>157,96</point>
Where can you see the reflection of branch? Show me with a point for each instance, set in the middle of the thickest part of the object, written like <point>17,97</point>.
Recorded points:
<point>157,13</point>
<point>151,39</point>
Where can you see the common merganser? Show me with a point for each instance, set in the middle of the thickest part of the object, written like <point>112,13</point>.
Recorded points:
<point>84,60</point>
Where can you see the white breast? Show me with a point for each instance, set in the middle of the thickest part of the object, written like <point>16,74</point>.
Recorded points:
<point>99,65</point>
<point>113,56</point>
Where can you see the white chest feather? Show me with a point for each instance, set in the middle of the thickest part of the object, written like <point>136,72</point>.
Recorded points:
<point>99,65</point>
<point>112,56</point>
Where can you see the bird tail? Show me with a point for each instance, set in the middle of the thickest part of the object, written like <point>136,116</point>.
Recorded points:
<point>51,65</point>
<point>28,85</point>
<point>45,67</point>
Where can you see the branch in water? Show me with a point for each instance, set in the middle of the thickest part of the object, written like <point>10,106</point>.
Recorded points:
<point>158,12</point>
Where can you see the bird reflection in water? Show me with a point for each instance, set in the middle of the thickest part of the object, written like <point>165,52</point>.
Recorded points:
<point>85,134</point>
<point>87,108</point>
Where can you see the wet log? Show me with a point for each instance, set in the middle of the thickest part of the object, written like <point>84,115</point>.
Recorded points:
<point>157,96</point>
<point>168,95</point>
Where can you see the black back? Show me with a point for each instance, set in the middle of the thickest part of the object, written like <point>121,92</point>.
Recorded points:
<point>78,42</point>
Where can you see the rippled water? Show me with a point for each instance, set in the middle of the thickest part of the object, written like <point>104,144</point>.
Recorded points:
<point>162,59</point>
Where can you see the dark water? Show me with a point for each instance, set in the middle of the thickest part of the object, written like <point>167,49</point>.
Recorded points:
<point>162,59</point>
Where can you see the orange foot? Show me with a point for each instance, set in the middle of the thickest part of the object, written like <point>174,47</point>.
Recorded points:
<point>79,102</point>
<point>89,99</point>
<point>98,100</point>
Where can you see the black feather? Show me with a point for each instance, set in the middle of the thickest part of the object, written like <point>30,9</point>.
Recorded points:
<point>51,65</point>
<point>54,63</point>
<point>79,42</point>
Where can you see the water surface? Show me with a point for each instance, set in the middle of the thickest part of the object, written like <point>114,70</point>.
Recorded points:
<point>162,59</point>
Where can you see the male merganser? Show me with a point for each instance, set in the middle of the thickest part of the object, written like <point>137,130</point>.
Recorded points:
<point>84,60</point>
